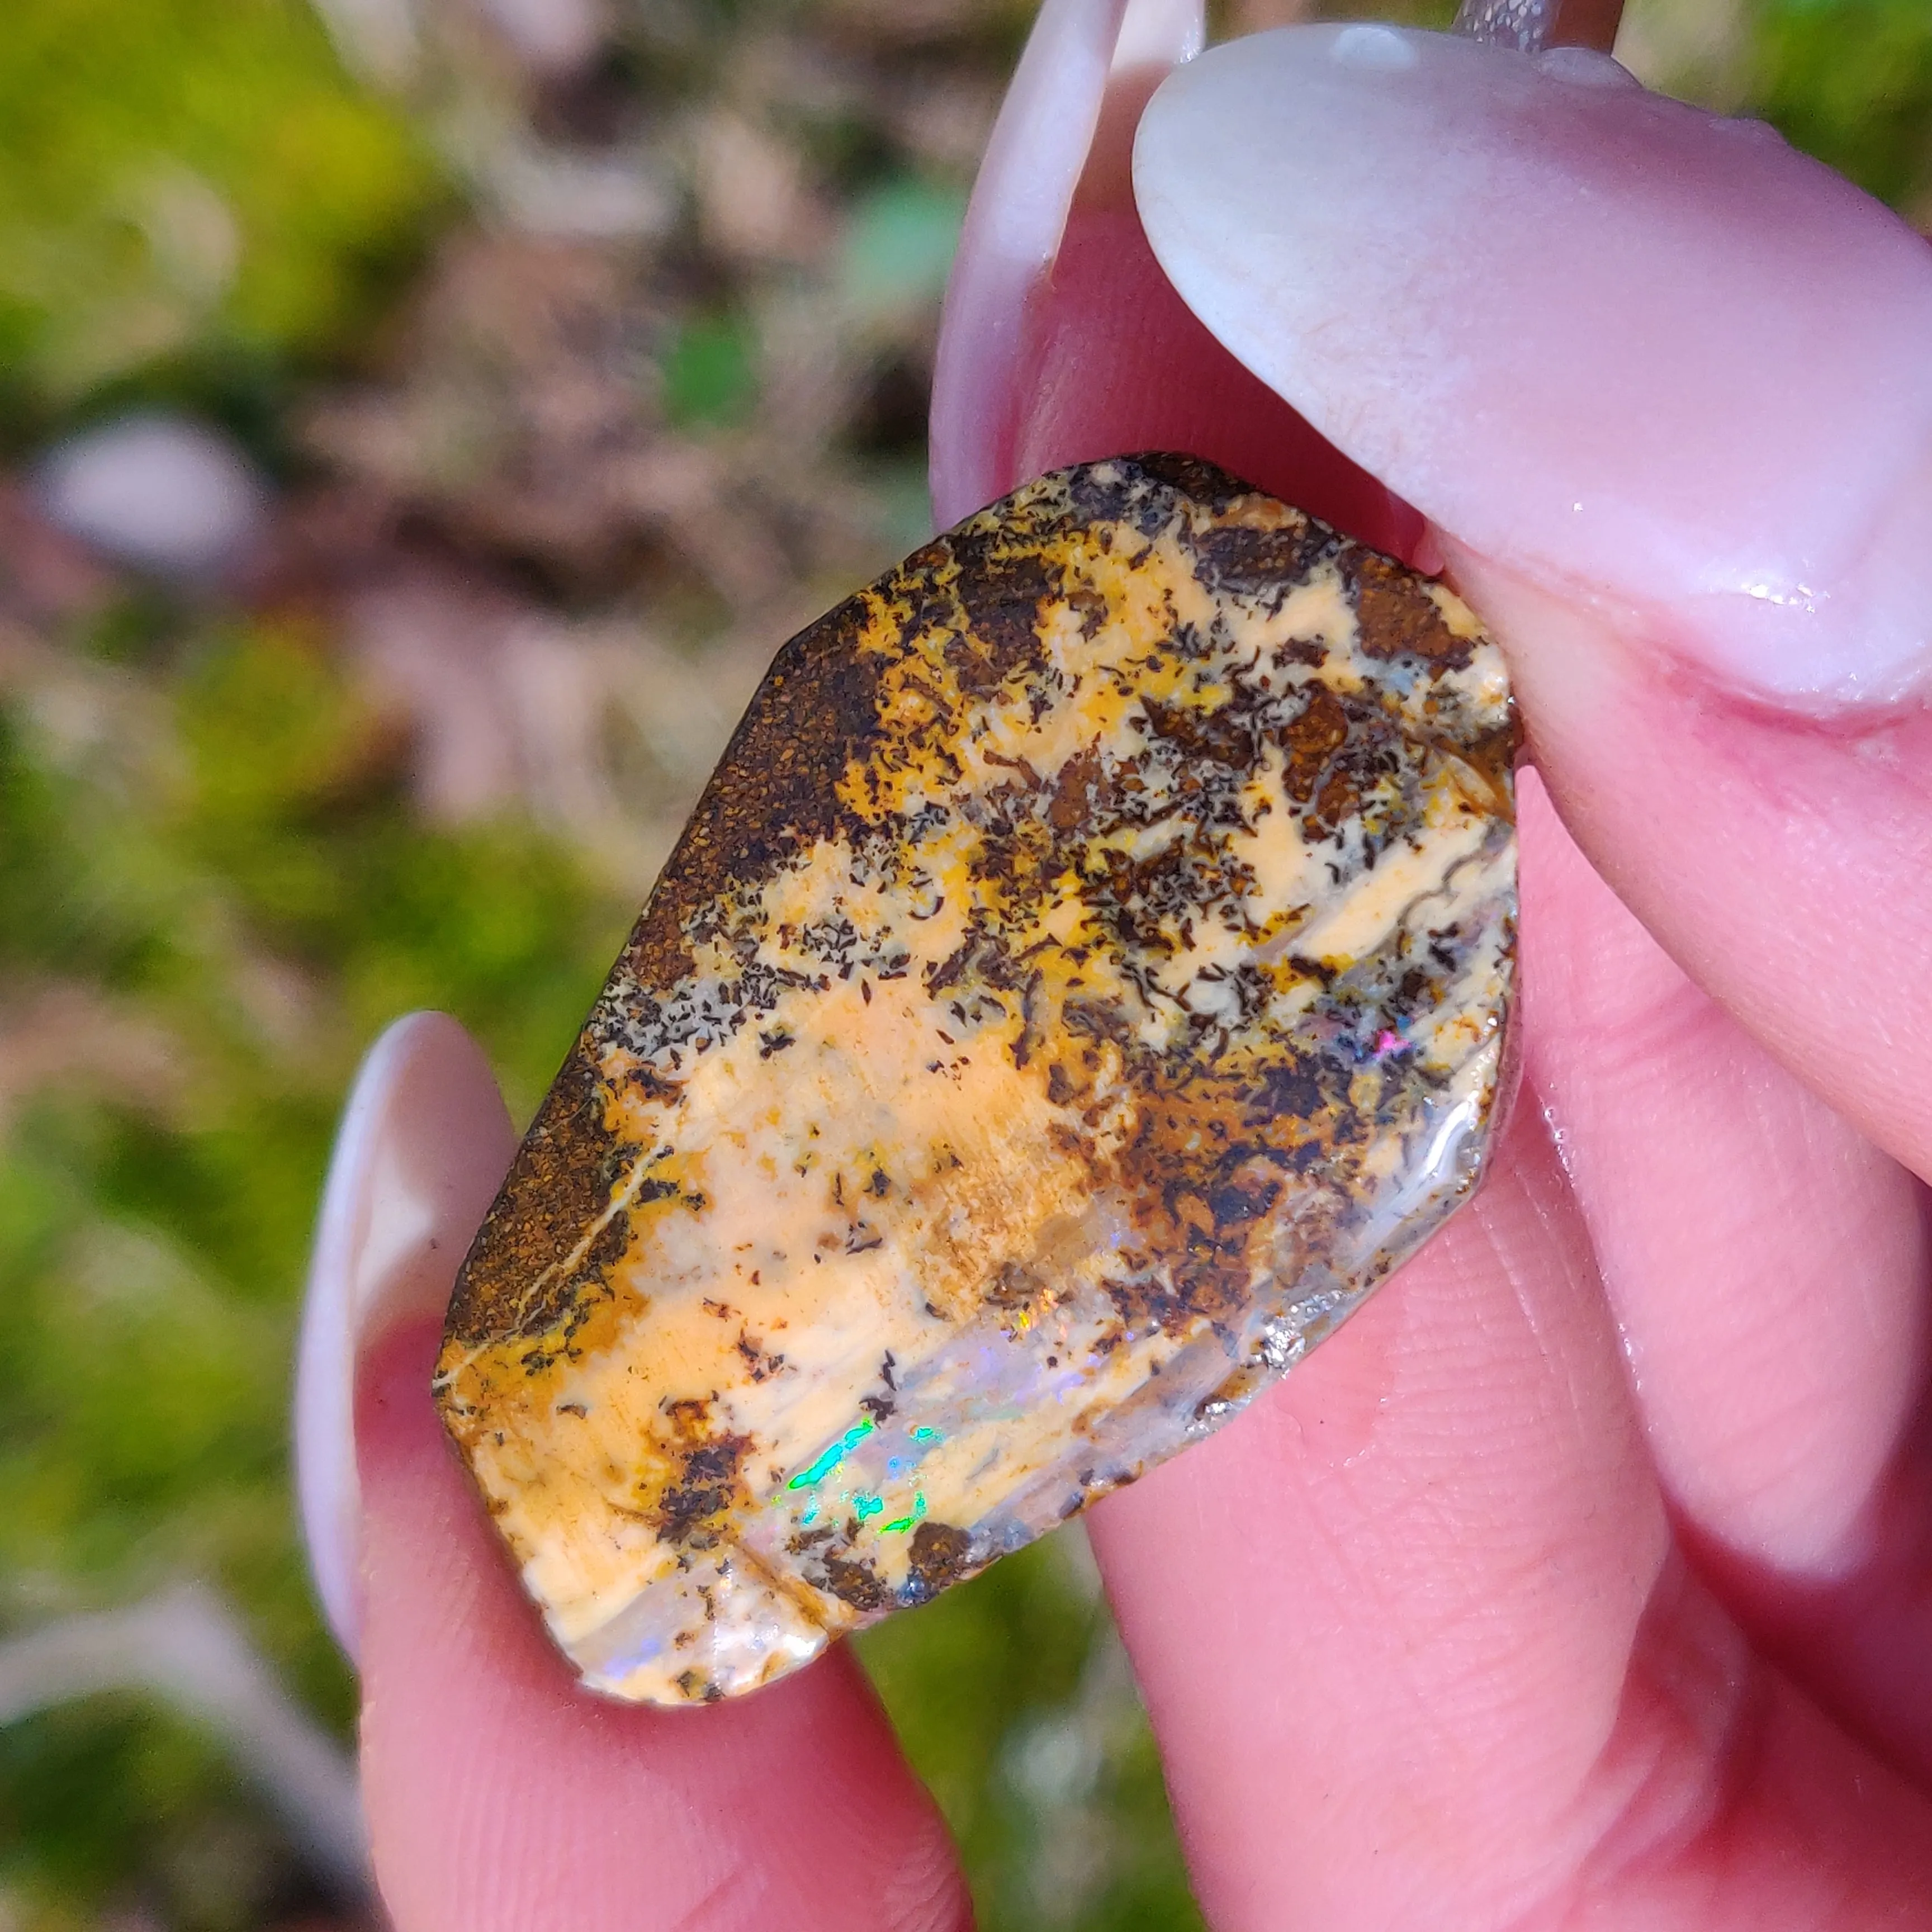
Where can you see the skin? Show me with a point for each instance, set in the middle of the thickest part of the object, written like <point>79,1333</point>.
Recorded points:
<point>1583,1580</point>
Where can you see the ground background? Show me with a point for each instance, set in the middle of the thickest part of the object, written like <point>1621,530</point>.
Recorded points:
<point>578,350</point>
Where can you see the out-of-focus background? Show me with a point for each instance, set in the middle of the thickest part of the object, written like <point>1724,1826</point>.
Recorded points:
<point>420,420</point>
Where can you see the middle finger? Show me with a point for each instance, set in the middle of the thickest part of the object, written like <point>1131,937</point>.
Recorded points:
<point>1765,1263</point>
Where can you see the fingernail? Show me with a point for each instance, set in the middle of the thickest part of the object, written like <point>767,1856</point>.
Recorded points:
<point>424,1143</point>
<point>1611,345</point>
<point>1039,148</point>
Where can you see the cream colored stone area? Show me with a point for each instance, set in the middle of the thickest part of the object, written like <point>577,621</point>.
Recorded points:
<point>1134,1005</point>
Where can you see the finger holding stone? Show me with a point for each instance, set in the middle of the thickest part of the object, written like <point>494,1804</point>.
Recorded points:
<point>1419,1650</point>
<point>1085,62</point>
<point>423,1144</point>
<point>1659,385</point>
<point>1063,340</point>
<point>500,1794</point>
<point>1766,1264</point>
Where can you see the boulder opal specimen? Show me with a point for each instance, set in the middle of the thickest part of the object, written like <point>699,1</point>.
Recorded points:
<point>1082,980</point>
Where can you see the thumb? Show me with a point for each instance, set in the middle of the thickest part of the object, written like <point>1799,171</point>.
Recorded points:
<point>1660,386</point>
<point>501,1796</point>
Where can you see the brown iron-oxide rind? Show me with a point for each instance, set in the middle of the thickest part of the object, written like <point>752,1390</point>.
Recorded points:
<point>1082,981</point>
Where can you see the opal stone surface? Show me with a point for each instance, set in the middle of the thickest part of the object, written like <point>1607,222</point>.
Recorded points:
<point>1084,977</point>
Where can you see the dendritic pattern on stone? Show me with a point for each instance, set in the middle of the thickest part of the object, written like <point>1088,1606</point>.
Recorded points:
<point>1084,978</point>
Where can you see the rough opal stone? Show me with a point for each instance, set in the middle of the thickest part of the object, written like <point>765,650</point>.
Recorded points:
<point>1084,978</point>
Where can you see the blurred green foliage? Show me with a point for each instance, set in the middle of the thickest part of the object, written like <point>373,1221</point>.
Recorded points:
<point>247,900</point>
<point>709,373</point>
<point>899,241</point>
<point>1850,81</point>
<point>186,179</point>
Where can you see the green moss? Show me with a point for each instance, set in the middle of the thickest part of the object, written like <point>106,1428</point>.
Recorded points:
<point>188,177</point>
<point>113,1796</point>
<point>246,905</point>
<point>1850,81</point>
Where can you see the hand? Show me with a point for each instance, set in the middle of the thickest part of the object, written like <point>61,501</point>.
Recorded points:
<point>1585,1577</point>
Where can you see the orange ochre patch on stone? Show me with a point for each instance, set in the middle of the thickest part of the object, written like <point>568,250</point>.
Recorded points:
<point>1083,980</point>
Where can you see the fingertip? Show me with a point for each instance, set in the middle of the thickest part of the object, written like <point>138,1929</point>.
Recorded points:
<point>1012,231</point>
<point>1064,129</point>
<point>424,1143</point>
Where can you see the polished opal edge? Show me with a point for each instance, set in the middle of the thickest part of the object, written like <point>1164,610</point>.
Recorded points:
<point>1083,980</point>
